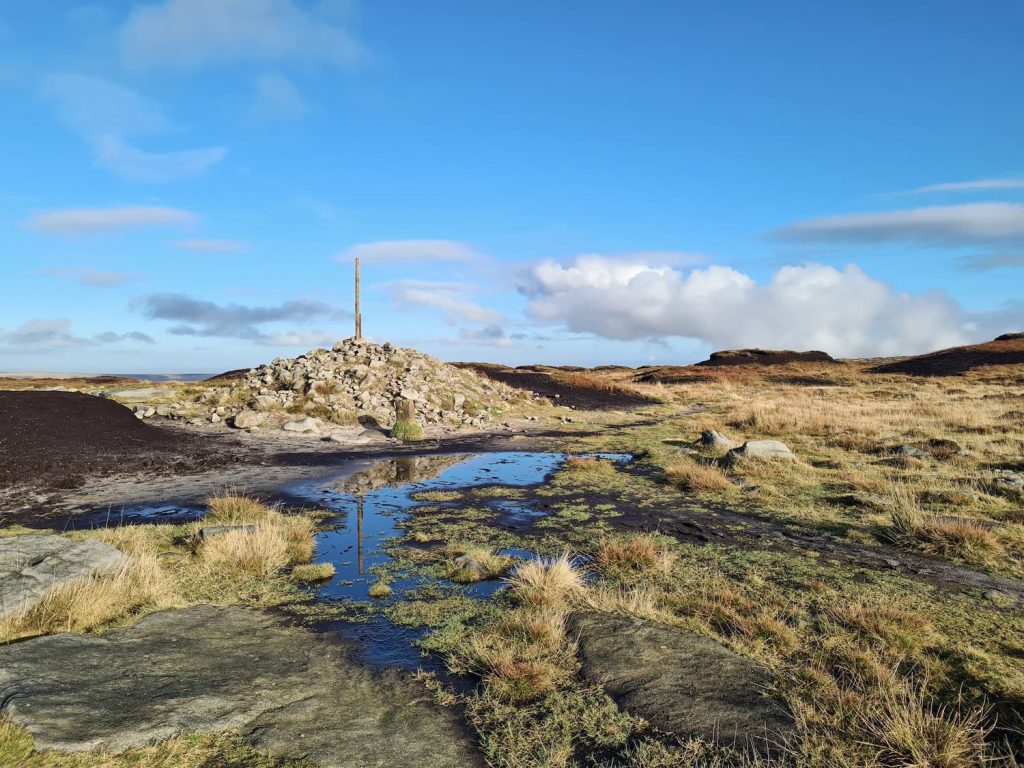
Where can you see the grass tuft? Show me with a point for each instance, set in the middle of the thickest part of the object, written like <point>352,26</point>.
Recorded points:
<point>407,431</point>
<point>552,581</point>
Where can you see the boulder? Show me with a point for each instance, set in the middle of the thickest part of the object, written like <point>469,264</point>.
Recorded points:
<point>308,424</point>
<point>287,690</point>
<point>32,565</point>
<point>713,440</point>
<point>683,683</point>
<point>138,395</point>
<point>247,419</point>
<point>767,450</point>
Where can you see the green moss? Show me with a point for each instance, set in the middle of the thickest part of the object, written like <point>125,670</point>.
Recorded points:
<point>407,431</point>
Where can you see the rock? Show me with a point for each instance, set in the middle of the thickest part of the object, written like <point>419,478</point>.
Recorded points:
<point>471,569</point>
<point>1000,598</point>
<point>910,452</point>
<point>769,450</point>
<point>308,424</point>
<point>214,418</point>
<point>209,531</point>
<point>683,683</point>
<point>141,394</point>
<point>32,565</point>
<point>209,668</point>
<point>247,419</point>
<point>713,440</point>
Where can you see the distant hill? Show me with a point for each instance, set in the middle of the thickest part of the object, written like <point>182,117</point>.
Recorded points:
<point>1007,349</point>
<point>765,357</point>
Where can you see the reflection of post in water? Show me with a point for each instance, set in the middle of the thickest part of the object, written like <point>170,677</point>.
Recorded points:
<point>405,469</point>
<point>359,534</point>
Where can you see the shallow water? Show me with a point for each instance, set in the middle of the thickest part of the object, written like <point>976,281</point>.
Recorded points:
<point>370,507</point>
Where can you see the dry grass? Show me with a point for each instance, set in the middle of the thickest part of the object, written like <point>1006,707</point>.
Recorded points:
<point>643,553</point>
<point>379,590</point>
<point>243,566</point>
<point>698,477</point>
<point>551,582</point>
<point>312,573</point>
<point>903,728</point>
<point>951,537</point>
<point>475,563</point>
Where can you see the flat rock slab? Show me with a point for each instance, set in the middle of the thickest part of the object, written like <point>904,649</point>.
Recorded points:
<point>210,668</point>
<point>681,682</point>
<point>32,565</point>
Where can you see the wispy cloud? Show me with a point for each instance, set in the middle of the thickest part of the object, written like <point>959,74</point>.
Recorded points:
<point>986,262</point>
<point>977,185</point>
<point>48,334</point>
<point>89,221</point>
<point>278,98</point>
<point>448,298</point>
<point>191,34</point>
<point>92,277</point>
<point>211,246</point>
<point>970,224</point>
<point>111,117</point>
<point>196,317</point>
<point>401,251</point>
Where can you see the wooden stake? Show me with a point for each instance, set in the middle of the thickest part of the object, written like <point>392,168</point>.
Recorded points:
<point>359,314</point>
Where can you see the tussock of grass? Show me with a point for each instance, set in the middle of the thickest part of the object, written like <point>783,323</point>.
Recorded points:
<point>643,553</point>
<point>552,582</point>
<point>903,728</point>
<point>311,573</point>
<point>379,590</point>
<point>954,537</point>
<point>406,431</point>
<point>698,477</point>
<point>474,563</point>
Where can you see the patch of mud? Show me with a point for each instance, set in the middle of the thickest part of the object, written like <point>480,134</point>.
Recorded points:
<point>56,439</point>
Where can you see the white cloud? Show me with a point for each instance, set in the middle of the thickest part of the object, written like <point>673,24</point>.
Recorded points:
<point>944,226</point>
<point>211,246</point>
<point>136,164</point>
<point>45,334</point>
<point>843,312</point>
<point>191,34</point>
<point>448,298</point>
<point>278,98</point>
<point>88,221</point>
<point>106,115</point>
<point>400,251</point>
<point>92,277</point>
<point>977,185</point>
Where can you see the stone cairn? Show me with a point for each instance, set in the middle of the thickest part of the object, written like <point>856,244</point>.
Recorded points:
<point>356,381</point>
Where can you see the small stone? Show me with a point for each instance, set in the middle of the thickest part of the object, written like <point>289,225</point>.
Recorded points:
<point>768,450</point>
<point>214,418</point>
<point>308,424</point>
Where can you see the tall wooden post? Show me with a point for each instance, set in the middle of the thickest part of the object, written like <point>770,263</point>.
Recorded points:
<point>359,314</point>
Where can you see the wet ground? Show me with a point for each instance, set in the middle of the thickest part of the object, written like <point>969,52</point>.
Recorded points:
<point>370,498</point>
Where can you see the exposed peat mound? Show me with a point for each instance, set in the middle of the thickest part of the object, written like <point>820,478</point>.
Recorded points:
<point>1007,349</point>
<point>58,438</point>
<point>563,387</point>
<point>234,375</point>
<point>765,357</point>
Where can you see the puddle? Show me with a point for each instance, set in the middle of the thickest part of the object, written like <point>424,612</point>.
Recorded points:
<point>372,504</point>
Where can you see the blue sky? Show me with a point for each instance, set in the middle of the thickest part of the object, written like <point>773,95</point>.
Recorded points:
<point>185,182</point>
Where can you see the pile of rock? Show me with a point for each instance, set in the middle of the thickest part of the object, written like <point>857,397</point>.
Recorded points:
<point>357,381</point>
